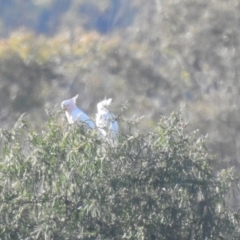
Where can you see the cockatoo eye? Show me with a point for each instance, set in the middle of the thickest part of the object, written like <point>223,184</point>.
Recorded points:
<point>64,106</point>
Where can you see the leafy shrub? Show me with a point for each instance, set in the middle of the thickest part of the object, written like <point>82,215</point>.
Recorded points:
<point>66,183</point>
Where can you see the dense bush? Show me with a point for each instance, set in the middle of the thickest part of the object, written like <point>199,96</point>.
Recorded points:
<point>66,183</point>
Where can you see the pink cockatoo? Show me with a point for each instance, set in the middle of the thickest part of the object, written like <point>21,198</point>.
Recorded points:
<point>74,114</point>
<point>106,121</point>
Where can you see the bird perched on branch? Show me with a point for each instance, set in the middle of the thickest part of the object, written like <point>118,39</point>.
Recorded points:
<point>106,121</point>
<point>74,114</point>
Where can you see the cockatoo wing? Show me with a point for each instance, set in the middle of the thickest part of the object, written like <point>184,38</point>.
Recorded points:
<point>79,115</point>
<point>113,129</point>
<point>114,126</point>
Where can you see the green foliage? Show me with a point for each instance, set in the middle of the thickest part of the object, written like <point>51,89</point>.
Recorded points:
<point>66,183</point>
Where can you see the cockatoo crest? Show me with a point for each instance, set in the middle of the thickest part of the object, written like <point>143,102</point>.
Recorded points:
<point>104,105</point>
<point>75,98</point>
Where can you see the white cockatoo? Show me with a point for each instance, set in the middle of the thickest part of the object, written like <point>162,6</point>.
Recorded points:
<point>74,114</point>
<point>106,121</point>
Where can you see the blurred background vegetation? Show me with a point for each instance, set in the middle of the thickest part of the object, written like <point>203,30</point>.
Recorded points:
<point>159,55</point>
